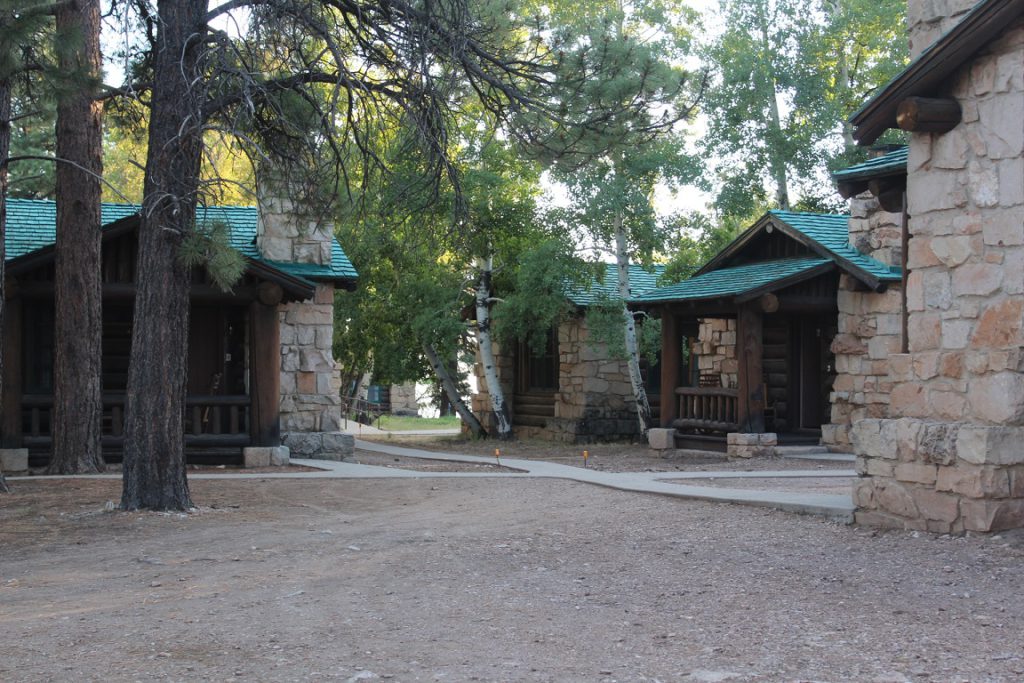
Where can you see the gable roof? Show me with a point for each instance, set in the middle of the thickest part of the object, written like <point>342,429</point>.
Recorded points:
<point>640,280</point>
<point>739,280</point>
<point>32,228</point>
<point>825,235</point>
<point>926,75</point>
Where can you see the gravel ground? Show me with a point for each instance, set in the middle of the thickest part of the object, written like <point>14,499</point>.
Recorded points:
<point>488,580</point>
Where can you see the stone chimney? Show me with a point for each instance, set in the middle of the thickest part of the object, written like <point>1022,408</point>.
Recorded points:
<point>293,227</point>
<point>289,227</point>
<point>929,20</point>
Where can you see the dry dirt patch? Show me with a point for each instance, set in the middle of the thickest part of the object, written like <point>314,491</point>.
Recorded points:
<point>491,580</point>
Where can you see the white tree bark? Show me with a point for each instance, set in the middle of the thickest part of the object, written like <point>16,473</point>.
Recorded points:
<point>485,267</point>
<point>453,392</point>
<point>643,407</point>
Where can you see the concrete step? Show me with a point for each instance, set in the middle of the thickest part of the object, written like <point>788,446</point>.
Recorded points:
<point>812,453</point>
<point>785,451</point>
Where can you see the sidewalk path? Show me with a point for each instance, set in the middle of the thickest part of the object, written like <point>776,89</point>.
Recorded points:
<point>829,505</point>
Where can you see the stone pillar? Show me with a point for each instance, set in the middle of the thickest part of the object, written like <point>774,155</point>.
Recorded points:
<point>949,456</point>
<point>310,399</point>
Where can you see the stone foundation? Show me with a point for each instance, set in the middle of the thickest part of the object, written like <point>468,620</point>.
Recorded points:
<point>751,445</point>
<point>320,445</point>
<point>945,477</point>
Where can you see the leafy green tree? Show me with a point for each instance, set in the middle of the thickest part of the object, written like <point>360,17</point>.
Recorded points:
<point>612,194</point>
<point>785,76</point>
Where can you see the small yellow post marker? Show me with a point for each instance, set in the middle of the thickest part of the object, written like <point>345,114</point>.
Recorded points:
<point>585,456</point>
<point>497,455</point>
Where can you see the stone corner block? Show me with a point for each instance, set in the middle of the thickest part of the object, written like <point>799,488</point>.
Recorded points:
<point>13,460</point>
<point>661,439</point>
<point>265,456</point>
<point>990,445</point>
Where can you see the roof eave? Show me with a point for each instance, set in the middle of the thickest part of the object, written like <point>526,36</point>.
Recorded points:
<point>926,74</point>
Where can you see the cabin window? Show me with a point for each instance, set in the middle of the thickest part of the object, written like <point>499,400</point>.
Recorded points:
<point>38,349</point>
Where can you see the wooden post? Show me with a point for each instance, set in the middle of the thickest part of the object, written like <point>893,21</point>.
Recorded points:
<point>265,369</point>
<point>671,360</point>
<point>10,418</point>
<point>750,352</point>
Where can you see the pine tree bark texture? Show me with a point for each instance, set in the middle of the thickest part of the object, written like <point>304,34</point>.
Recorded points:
<point>154,449</point>
<point>485,268</point>
<point>643,406</point>
<point>5,148</point>
<point>78,294</point>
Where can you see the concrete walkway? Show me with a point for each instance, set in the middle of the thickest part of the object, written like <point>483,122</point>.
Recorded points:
<point>829,505</point>
<point>838,507</point>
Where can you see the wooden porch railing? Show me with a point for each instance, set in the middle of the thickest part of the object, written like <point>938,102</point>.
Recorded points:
<point>707,408</point>
<point>214,421</point>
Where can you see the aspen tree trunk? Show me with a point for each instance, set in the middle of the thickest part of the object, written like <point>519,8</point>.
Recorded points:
<point>78,293</point>
<point>154,444</point>
<point>778,164</point>
<point>452,392</point>
<point>485,267</point>
<point>5,147</point>
<point>643,407</point>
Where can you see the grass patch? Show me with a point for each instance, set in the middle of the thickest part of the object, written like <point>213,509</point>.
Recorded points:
<point>397,423</point>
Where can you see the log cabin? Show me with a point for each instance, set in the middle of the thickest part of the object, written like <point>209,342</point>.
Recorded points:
<point>260,369</point>
<point>747,342</point>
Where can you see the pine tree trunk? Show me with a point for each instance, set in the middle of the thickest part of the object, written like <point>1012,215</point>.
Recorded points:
<point>636,380</point>
<point>485,340</point>
<point>154,454</point>
<point>452,392</point>
<point>78,294</point>
<point>5,148</point>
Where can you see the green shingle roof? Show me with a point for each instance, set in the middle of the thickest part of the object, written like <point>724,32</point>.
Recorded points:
<point>734,281</point>
<point>831,231</point>
<point>888,164</point>
<point>32,225</point>
<point>640,280</point>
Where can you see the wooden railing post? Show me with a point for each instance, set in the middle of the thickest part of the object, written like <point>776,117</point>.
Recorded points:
<point>265,368</point>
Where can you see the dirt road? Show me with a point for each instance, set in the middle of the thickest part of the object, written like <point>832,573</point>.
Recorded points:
<point>487,580</point>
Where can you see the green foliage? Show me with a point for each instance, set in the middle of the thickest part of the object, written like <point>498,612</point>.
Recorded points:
<point>786,74</point>
<point>209,246</point>
<point>606,327</point>
<point>536,301</point>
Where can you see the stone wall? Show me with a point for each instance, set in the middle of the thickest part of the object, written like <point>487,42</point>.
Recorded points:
<point>715,347</point>
<point>929,20</point>
<point>950,457</point>
<point>594,401</point>
<point>869,327</point>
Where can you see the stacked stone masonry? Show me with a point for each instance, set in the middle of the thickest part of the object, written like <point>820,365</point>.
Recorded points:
<point>870,327</point>
<point>594,400</point>
<point>715,348</point>
<point>310,410</point>
<point>950,455</point>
